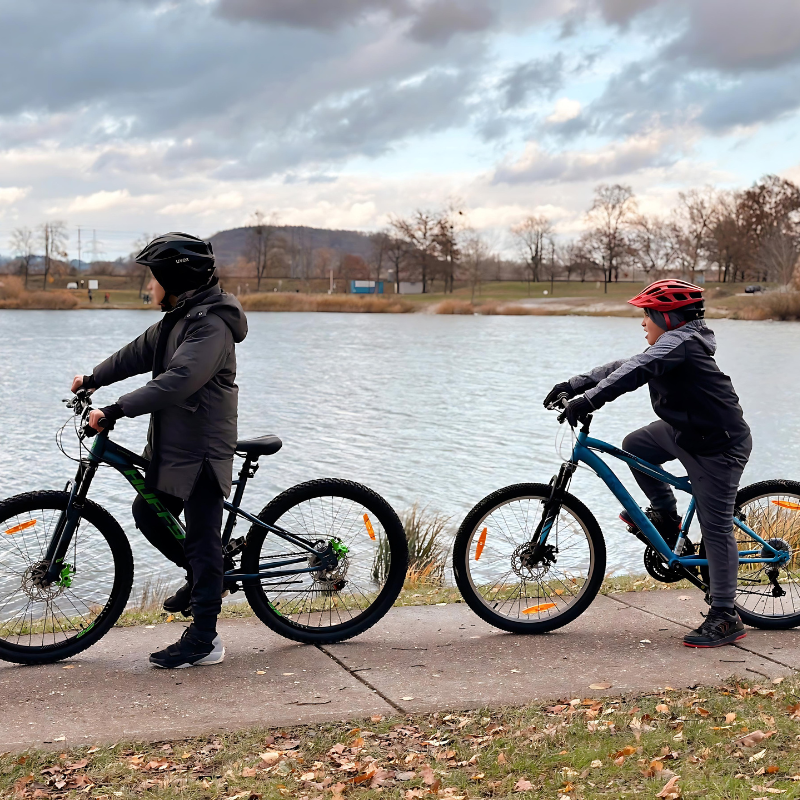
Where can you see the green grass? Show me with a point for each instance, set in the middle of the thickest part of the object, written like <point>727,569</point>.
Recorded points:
<point>575,747</point>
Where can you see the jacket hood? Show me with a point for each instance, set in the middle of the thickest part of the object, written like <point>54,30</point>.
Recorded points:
<point>698,329</point>
<point>213,300</point>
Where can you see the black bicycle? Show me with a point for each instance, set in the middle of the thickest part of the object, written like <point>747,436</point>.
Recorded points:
<point>322,562</point>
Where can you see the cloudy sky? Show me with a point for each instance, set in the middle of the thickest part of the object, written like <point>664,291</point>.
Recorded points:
<point>132,116</point>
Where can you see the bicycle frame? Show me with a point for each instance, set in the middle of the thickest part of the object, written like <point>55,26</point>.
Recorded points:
<point>132,467</point>
<point>585,450</point>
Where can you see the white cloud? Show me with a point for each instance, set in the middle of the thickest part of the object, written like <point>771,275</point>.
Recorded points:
<point>205,206</point>
<point>564,110</point>
<point>99,201</point>
<point>9,195</point>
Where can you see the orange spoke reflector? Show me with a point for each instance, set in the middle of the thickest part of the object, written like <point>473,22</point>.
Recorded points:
<point>537,609</point>
<point>481,544</point>
<point>786,504</point>
<point>370,530</point>
<point>21,527</point>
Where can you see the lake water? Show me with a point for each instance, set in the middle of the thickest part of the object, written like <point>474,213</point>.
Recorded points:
<point>435,410</point>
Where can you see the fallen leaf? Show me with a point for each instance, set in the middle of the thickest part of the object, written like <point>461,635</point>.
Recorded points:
<point>249,772</point>
<point>427,774</point>
<point>600,685</point>
<point>69,666</point>
<point>270,757</point>
<point>405,776</point>
<point>619,761</point>
<point>261,672</point>
<point>703,712</point>
<point>479,777</point>
<point>758,756</point>
<point>730,717</point>
<point>501,758</point>
<point>670,790</point>
<point>170,618</point>
<point>752,739</point>
<point>777,681</point>
<point>662,708</point>
<point>406,698</point>
<point>376,718</point>
<point>772,769</point>
<point>596,764</point>
<point>338,791</point>
<point>523,785</point>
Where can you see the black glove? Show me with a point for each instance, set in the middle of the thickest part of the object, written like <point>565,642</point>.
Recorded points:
<point>112,413</point>
<point>559,388</point>
<point>576,411</point>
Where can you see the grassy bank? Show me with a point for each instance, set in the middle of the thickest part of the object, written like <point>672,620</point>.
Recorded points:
<point>348,303</point>
<point>774,305</point>
<point>731,741</point>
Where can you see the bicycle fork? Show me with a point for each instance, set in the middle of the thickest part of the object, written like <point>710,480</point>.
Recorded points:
<point>67,525</point>
<point>558,486</point>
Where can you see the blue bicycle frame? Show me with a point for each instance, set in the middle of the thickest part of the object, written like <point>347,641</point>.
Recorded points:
<point>585,450</point>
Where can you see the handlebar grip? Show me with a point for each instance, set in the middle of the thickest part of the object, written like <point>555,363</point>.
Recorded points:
<point>103,422</point>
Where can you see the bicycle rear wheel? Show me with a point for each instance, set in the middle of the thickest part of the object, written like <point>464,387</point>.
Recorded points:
<point>323,607</point>
<point>499,580</point>
<point>41,624</point>
<point>769,597</point>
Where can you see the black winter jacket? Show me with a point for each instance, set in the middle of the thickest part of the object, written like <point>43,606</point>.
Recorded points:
<point>192,397</point>
<point>687,388</point>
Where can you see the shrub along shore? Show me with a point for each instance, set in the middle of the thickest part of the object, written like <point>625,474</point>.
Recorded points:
<point>504,298</point>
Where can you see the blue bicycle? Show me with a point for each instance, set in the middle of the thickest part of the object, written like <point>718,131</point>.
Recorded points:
<point>530,558</point>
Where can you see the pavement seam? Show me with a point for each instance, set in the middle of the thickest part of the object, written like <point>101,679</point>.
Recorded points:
<point>353,674</point>
<point>683,625</point>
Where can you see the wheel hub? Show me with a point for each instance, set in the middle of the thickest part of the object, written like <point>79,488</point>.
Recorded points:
<point>533,561</point>
<point>33,583</point>
<point>333,562</point>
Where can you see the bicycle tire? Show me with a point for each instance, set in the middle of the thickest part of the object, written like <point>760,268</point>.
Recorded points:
<point>475,518</point>
<point>119,593</point>
<point>744,497</point>
<point>283,504</point>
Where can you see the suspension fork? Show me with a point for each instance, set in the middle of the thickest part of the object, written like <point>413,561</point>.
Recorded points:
<point>68,521</point>
<point>558,486</point>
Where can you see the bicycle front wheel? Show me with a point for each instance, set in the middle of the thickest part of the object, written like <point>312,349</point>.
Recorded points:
<point>767,596</point>
<point>509,586</point>
<point>331,605</point>
<point>42,623</point>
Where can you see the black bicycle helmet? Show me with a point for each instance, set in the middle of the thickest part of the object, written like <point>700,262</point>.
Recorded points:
<point>178,261</point>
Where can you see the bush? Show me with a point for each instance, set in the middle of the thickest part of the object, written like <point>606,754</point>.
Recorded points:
<point>347,303</point>
<point>774,305</point>
<point>455,307</point>
<point>14,295</point>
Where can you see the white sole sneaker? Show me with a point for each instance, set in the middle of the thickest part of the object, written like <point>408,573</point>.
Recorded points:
<point>216,656</point>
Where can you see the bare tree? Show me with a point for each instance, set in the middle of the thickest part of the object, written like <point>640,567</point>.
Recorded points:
<point>397,254</point>
<point>380,244</point>
<point>262,239</point>
<point>420,232</point>
<point>476,256</point>
<point>610,216</point>
<point>780,253</point>
<point>694,218</point>
<point>449,253</point>
<point>53,236</point>
<point>531,235</point>
<point>653,244</point>
<point>22,244</point>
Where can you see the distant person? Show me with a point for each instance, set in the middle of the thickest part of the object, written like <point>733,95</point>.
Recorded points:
<point>192,400</point>
<point>701,425</point>
<point>107,298</point>
<point>91,299</point>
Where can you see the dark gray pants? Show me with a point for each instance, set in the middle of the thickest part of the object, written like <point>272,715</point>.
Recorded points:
<point>200,554</point>
<point>715,480</point>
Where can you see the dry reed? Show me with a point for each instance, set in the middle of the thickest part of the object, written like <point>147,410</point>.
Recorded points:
<point>781,305</point>
<point>347,303</point>
<point>13,294</point>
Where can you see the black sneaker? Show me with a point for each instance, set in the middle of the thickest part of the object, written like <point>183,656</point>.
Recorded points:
<point>193,649</point>
<point>181,601</point>
<point>667,523</point>
<point>719,628</point>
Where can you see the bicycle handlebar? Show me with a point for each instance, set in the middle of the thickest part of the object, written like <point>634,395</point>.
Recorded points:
<point>81,404</point>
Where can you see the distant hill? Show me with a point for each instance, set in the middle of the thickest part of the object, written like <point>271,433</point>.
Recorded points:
<point>232,244</point>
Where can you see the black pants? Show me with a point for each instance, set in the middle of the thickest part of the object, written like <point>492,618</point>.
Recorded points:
<point>200,553</point>
<point>715,480</point>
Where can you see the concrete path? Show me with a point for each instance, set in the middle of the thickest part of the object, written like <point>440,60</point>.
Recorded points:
<point>417,659</point>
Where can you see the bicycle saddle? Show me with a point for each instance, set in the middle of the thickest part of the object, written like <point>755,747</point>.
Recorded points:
<point>260,446</point>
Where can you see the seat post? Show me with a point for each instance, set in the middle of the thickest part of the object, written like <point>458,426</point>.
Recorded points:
<point>248,470</point>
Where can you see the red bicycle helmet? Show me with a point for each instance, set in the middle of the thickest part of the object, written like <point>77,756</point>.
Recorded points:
<point>667,295</point>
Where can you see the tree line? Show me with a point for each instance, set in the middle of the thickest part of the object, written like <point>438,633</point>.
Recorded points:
<point>750,234</point>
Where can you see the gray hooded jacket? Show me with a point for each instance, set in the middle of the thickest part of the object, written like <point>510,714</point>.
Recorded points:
<point>687,388</point>
<point>192,396</point>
